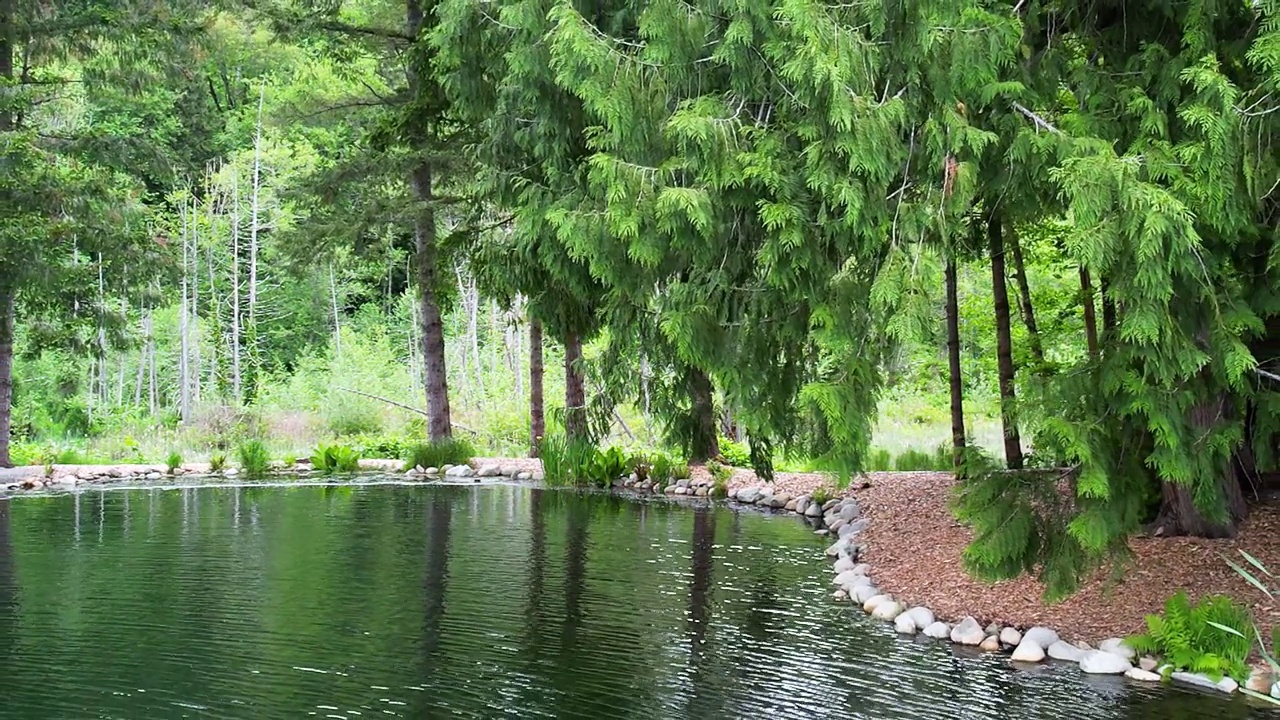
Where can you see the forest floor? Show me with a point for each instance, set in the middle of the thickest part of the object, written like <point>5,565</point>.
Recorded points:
<point>915,547</point>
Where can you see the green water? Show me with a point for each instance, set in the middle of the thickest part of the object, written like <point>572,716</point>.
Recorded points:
<point>474,602</point>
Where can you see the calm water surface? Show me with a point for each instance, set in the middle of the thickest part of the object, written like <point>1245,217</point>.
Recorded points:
<point>471,602</point>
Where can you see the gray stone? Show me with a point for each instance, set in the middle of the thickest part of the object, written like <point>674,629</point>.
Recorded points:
<point>671,489</point>
<point>489,471</point>
<point>874,602</point>
<point>431,471</point>
<point>633,478</point>
<point>461,471</point>
<point>684,483</point>
<point>777,502</point>
<point>938,631</point>
<point>802,503</point>
<point>864,593</point>
<point>1141,675</point>
<point>1042,636</point>
<point>835,525</point>
<point>905,624</point>
<point>1116,646</point>
<point>840,595</point>
<point>791,505</point>
<point>525,476</point>
<point>921,616</point>
<point>733,493</point>
<point>830,504</point>
<point>863,568</point>
<point>539,476</point>
<point>1148,663</point>
<point>1011,637</point>
<point>813,511</point>
<point>843,564</point>
<point>968,632</point>
<point>412,472</point>
<point>702,492</point>
<point>1028,651</point>
<point>1226,684</point>
<point>857,526</point>
<point>231,472</point>
<point>847,531</point>
<point>990,643</point>
<point>850,511</point>
<point>512,471</point>
<point>993,629</point>
<point>1063,651</point>
<point>153,475</point>
<point>748,495</point>
<point>887,610</point>
<point>446,468</point>
<point>1097,662</point>
<point>838,548</point>
<point>680,490</point>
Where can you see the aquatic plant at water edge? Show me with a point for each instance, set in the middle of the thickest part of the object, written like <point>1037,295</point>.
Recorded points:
<point>173,462</point>
<point>641,465</point>
<point>1191,637</point>
<point>571,462</point>
<point>254,458</point>
<point>1268,653</point>
<point>217,462</point>
<point>660,468</point>
<point>604,467</point>
<point>438,453</point>
<point>330,459</point>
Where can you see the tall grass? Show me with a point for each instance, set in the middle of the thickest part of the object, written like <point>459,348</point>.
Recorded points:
<point>565,461</point>
<point>255,459</point>
<point>438,453</point>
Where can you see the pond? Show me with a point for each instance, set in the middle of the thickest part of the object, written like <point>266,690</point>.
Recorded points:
<point>495,601</point>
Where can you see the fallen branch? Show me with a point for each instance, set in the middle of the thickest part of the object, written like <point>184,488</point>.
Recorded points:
<point>402,406</point>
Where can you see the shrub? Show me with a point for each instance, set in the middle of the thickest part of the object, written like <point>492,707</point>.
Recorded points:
<point>335,458</point>
<point>719,473</point>
<point>254,458</point>
<point>820,495</point>
<point>660,468</point>
<point>438,453</point>
<point>173,462</point>
<point>641,465</point>
<point>382,446</point>
<point>1206,637</point>
<point>605,467</point>
<point>879,460</point>
<point>217,462</point>
<point>289,461</point>
<point>679,472</point>
<point>735,453</point>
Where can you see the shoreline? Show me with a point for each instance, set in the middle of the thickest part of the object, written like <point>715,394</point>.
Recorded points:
<point>896,554</point>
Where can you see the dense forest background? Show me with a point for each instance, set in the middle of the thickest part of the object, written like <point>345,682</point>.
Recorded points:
<point>1031,241</point>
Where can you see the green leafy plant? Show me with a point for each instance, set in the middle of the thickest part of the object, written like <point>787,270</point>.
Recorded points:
<point>1191,636</point>
<point>289,461</point>
<point>679,471</point>
<point>438,453</point>
<point>382,446</point>
<point>734,453</point>
<point>820,495</point>
<point>217,462</point>
<point>660,468</point>
<point>565,461</point>
<point>641,465</point>
<point>1268,653</point>
<point>879,460</point>
<point>331,459</point>
<point>719,473</point>
<point>606,466</point>
<point>255,459</point>
<point>173,462</point>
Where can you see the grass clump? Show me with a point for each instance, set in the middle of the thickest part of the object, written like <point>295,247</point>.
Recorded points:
<point>173,462</point>
<point>255,459</point>
<point>1206,637</point>
<point>438,453</point>
<point>578,462</point>
<point>217,462</point>
<point>330,459</point>
<point>820,495</point>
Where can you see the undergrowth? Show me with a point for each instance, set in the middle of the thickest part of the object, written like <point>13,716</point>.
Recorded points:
<point>1191,636</point>
<point>438,453</point>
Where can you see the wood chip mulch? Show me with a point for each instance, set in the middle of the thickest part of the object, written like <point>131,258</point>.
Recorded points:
<point>914,547</point>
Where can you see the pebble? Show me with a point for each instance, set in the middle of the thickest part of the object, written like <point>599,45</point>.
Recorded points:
<point>840,595</point>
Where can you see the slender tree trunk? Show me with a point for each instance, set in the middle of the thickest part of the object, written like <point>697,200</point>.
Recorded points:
<point>1004,345</point>
<point>194,330</point>
<point>575,398</point>
<point>236,388</point>
<point>337,327</point>
<point>184,341</point>
<point>253,217</point>
<point>953,361</point>
<point>704,444</point>
<point>152,397</point>
<point>1108,313</point>
<point>1090,317</point>
<point>1024,295</point>
<point>537,411</point>
<point>439,426</point>
<point>7,308</point>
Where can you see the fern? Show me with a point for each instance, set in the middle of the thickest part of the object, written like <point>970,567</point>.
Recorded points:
<point>1190,636</point>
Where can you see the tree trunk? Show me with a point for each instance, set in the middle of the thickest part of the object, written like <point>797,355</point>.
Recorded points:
<point>1024,295</point>
<point>439,426</point>
<point>575,398</point>
<point>1108,312</point>
<point>6,372</point>
<point>953,363</point>
<point>1004,345</point>
<point>236,387</point>
<point>704,443</point>
<point>1090,316</point>
<point>537,411</point>
<point>1178,512</point>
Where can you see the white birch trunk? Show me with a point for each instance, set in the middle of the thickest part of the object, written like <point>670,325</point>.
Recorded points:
<point>235,287</point>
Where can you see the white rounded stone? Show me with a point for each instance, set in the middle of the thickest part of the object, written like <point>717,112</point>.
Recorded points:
<point>1097,662</point>
<point>1028,651</point>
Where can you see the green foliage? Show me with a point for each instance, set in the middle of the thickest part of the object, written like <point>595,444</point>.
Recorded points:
<point>820,495</point>
<point>330,459</point>
<point>438,453</point>
<point>916,460</point>
<point>642,465</point>
<point>1192,637</point>
<point>383,446</point>
<point>173,461</point>
<point>663,468</point>
<point>254,458</point>
<point>1262,579</point>
<point>719,473</point>
<point>735,454</point>
<point>566,461</point>
<point>217,462</point>
<point>880,460</point>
